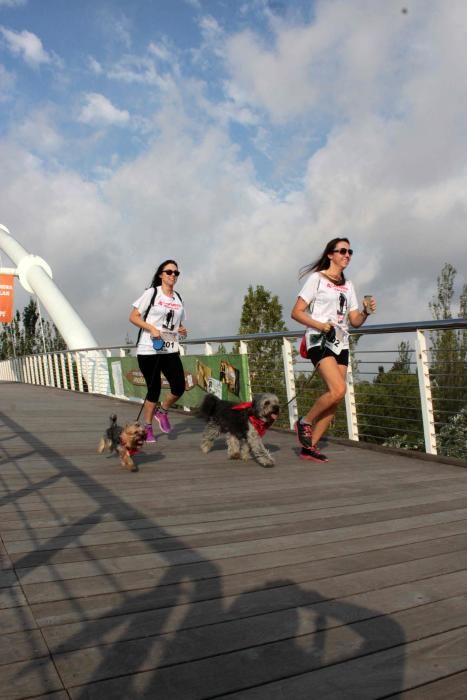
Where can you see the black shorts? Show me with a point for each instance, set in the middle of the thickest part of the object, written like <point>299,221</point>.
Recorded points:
<point>171,367</point>
<point>316,355</point>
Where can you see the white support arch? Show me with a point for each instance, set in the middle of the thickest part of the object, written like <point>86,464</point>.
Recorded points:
<point>35,277</point>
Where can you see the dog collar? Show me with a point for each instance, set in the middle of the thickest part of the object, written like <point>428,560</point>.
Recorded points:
<point>259,425</point>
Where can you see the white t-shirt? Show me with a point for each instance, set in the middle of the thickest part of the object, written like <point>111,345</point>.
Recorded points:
<point>166,314</point>
<point>329,302</point>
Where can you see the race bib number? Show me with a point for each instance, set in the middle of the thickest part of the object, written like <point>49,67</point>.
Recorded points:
<point>337,343</point>
<point>170,343</point>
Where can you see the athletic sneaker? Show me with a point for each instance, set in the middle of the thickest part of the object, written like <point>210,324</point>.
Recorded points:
<point>150,437</point>
<point>313,454</point>
<point>163,419</point>
<point>304,433</point>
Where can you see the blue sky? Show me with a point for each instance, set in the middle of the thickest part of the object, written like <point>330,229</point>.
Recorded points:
<point>237,137</point>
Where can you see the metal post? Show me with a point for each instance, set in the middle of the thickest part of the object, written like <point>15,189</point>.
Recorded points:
<point>58,383</point>
<point>63,368</point>
<point>287,359</point>
<point>243,350</point>
<point>424,384</point>
<point>70,371</point>
<point>79,374</point>
<point>351,407</point>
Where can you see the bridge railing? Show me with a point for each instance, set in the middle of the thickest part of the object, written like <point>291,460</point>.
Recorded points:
<point>407,383</point>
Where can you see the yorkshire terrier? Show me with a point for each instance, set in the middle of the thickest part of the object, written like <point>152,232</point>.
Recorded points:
<point>125,441</point>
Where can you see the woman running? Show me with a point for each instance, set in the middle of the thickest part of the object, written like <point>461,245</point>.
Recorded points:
<point>325,305</point>
<point>159,313</point>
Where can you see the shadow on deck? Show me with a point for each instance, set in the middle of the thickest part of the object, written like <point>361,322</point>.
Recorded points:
<point>202,578</point>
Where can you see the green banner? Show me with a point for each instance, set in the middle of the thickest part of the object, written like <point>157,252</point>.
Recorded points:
<point>226,376</point>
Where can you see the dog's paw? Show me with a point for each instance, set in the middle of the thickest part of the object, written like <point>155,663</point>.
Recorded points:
<point>205,447</point>
<point>235,455</point>
<point>266,461</point>
<point>101,446</point>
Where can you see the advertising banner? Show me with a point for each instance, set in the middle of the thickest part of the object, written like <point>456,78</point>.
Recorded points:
<point>6,298</point>
<point>226,376</point>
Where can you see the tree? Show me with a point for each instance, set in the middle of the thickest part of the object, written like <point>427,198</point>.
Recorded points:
<point>24,335</point>
<point>262,313</point>
<point>391,402</point>
<point>448,351</point>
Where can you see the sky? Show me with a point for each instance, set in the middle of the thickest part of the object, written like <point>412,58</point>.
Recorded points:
<point>236,137</point>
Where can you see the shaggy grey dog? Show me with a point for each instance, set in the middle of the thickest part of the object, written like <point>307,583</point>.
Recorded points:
<point>243,426</point>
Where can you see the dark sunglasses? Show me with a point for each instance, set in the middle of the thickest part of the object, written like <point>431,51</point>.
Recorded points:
<point>343,251</point>
<point>171,272</point>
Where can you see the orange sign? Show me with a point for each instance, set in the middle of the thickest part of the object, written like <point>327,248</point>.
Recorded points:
<point>6,298</point>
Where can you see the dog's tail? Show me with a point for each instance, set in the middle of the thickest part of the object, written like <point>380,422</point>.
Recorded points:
<point>209,406</point>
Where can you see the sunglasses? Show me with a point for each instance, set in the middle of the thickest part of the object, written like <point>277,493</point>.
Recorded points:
<point>343,251</point>
<point>171,272</point>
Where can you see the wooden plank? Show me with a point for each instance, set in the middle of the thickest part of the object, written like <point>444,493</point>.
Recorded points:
<point>453,687</point>
<point>21,646</point>
<point>144,600</point>
<point>280,550</point>
<point>323,562</point>
<point>208,521</point>
<point>108,545</point>
<point>28,679</point>
<point>365,677</point>
<point>257,602</point>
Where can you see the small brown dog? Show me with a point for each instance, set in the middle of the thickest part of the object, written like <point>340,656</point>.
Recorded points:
<point>124,441</point>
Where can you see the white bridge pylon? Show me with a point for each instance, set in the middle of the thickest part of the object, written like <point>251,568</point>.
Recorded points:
<point>35,277</point>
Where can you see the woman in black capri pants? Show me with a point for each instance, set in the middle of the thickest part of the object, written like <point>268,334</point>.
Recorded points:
<point>160,314</point>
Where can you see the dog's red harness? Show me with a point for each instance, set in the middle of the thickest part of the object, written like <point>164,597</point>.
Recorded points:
<point>259,425</point>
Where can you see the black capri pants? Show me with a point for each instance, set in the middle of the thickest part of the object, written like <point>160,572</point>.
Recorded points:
<point>171,367</point>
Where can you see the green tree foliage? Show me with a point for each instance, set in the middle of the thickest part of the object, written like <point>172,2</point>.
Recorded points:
<point>448,351</point>
<point>452,438</point>
<point>389,407</point>
<point>24,336</point>
<point>391,402</point>
<point>262,313</point>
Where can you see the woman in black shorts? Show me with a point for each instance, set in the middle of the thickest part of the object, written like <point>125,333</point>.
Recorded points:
<point>326,305</point>
<point>160,314</point>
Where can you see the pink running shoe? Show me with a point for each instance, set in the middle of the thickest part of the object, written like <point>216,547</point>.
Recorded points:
<point>150,437</point>
<point>163,419</point>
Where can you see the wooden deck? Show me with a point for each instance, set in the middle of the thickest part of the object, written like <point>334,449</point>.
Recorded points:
<point>201,578</point>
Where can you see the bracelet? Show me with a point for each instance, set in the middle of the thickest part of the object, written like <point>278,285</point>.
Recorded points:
<point>365,312</point>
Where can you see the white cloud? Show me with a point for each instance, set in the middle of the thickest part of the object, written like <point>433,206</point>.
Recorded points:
<point>28,46</point>
<point>38,132</point>
<point>160,51</point>
<point>99,110</point>
<point>141,70</point>
<point>95,66</point>
<point>13,3</point>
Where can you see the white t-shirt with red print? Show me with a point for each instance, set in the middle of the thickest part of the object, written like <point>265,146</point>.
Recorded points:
<point>329,303</point>
<point>166,314</point>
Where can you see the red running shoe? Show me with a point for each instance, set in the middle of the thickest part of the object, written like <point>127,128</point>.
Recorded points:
<point>313,454</point>
<point>304,433</point>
